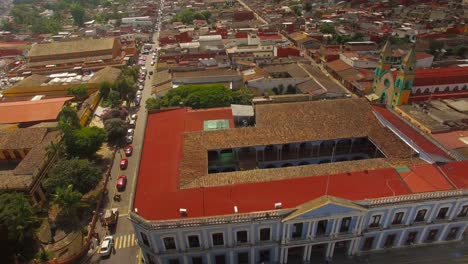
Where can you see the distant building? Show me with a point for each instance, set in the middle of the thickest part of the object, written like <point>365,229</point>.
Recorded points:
<point>83,54</point>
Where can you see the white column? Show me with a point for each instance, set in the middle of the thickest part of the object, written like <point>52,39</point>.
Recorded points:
<point>338,225</point>
<point>402,235</point>
<point>231,257</point>
<point>281,255</point>
<point>333,227</point>
<point>443,233</point>
<point>351,247</point>
<point>356,245</point>
<point>309,227</point>
<point>421,237</point>
<point>252,234</point>
<point>435,208</point>
<point>252,255</point>
<point>278,232</point>
<point>277,254</point>
<point>185,259</point>
<point>304,254</point>
<point>312,229</point>
<point>409,216</point>
<point>229,237</point>
<point>206,240</point>
<point>285,256</point>
<point>389,218</point>
<point>379,241</point>
<point>181,244</point>
<point>208,258</point>
<point>284,230</point>
<point>454,211</point>
<point>309,250</point>
<point>332,249</point>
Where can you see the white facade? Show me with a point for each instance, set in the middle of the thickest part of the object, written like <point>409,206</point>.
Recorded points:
<point>335,227</point>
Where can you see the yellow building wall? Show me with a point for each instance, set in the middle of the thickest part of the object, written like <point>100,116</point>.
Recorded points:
<point>48,90</point>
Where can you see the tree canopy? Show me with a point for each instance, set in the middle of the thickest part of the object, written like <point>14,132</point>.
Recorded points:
<point>201,96</point>
<point>84,142</point>
<point>17,224</point>
<point>327,28</point>
<point>78,13</point>
<point>116,129</point>
<point>80,92</point>
<point>187,16</point>
<point>82,174</point>
<point>68,119</point>
<point>67,199</point>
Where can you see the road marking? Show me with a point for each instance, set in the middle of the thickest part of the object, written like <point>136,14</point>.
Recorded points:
<point>125,241</point>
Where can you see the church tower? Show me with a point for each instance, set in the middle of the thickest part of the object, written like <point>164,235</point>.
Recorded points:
<point>384,64</point>
<point>404,79</point>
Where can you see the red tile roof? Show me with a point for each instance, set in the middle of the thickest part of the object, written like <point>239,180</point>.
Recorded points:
<point>451,139</point>
<point>442,76</point>
<point>404,128</point>
<point>31,111</point>
<point>425,178</point>
<point>158,196</point>
<point>457,173</point>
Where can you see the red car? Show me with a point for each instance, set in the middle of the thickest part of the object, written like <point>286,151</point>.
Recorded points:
<point>128,150</point>
<point>121,183</point>
<point>123,164</point>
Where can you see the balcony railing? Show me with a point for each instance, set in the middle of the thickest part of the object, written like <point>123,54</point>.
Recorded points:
<point>412,197</point>
<point>203,221</point>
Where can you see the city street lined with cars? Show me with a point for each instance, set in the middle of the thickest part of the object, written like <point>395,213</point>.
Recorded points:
<point>127,160</point>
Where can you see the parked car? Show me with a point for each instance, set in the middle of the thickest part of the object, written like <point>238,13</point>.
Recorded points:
<point>129,139</point>
<point>106,246</point>
<point>139,93</point>
<point>123,164</point>
<point>141,87</point>
<point>130,131</point>
<point>128,150</point>
<point>121,183</point>
<point>132,123</point>
<point>134,117</point>
<point>152,63</point>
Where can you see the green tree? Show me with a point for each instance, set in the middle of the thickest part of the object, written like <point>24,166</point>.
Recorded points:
<point>358,36</point>
<point>82,174</point>
<point>200,96</point>
<point>78,13</point>
<point>327,28</point>
<point>307,7</point>
<point>84,142</point>
<point>55,148</point>
<point>116,129</point>
<point>459,51</point>
<point>242,96</point>
<point>80,92</point>
<point>114,98</point>
<point>206,14</point>
<point>67,199</point>
<point>104,89</point>
<point>17,224</point>
<point>68,119</point>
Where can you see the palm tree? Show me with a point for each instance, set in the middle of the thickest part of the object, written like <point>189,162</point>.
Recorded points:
<point>55,148</point>
<point>67,199</point>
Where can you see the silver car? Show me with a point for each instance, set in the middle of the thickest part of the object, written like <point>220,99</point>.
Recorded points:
<point>106,246</point>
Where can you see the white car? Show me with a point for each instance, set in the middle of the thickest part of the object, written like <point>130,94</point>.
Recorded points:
<point>139,92</point>
<point>130,132</point>
<point>141,87</point>
<point>129,139</point>
<point>152,63</point>
<point>134,117</point>
<point>106,246</point>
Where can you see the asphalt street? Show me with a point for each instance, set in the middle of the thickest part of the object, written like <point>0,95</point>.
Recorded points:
<point>126,249</point>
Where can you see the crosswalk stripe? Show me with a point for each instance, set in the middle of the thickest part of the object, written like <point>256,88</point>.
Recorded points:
<point>124,241</point>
